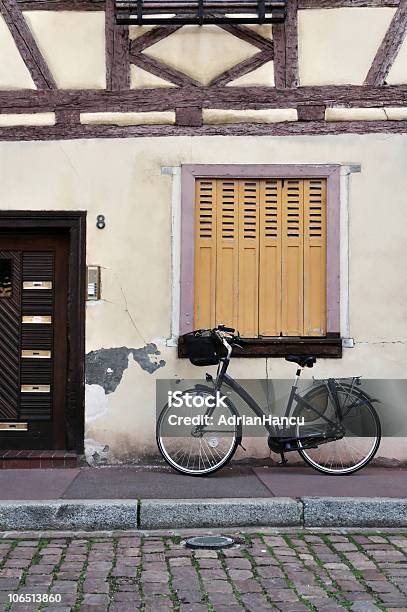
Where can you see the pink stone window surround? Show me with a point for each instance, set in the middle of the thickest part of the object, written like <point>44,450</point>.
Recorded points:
<point>189,173</point>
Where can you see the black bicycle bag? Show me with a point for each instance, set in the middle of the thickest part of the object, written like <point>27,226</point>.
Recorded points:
<point>203,348</point>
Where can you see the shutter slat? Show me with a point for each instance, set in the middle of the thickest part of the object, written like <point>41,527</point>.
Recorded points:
<point>205,253</point>
<point>227,252</point>
<point>249,199</point>
<point>293,261</point>
<point>315,257</point>
<point>270,258</point>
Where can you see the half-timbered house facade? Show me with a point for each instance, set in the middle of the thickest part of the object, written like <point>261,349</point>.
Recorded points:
<point>252,174</point>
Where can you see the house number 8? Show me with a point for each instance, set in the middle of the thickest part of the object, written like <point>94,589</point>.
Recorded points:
<point>100,222</point>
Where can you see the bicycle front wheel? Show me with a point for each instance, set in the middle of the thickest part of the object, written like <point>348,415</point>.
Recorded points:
<point>199,448</point>
<point>360,426</point>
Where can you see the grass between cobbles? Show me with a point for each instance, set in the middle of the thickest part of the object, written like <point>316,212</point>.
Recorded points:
<point>247,555</point>
<point>173,592</point>
<point>13,546</point>
<point>288,580</point>
<point>236,592</point>
<point>139,572</point>
<point>355,571</point>
<point>110,578</point>
<point>82,576</point>
<point>371,558</point>
<point>205,596</point>
<point>322,577</point>
<point>335,592</point>
<point>55,571</point>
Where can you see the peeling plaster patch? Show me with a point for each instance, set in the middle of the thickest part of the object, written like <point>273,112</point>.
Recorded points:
<point>105,367</point>
<point>95,402</point>
<point>97,453</point>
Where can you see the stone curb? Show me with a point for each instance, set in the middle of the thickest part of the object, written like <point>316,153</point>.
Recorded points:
<point>74,514</point>
<point>354,512</point>
<point>167,514</point>
<point>109,515</point>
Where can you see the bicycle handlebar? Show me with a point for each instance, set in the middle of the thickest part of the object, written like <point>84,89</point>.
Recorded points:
<point>228,336</point>
<point>221,327</point>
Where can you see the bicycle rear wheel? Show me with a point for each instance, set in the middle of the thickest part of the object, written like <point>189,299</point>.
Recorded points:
<point>198,450</point>
<point>360,426</point>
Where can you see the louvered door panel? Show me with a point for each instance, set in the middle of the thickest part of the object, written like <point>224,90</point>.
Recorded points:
<point>248,305</point>
<point>10,324</point>
<point>35,406</point>
<point>205,253</point>
<point>227,253</point>
<point>270,258</point>
<point>315,257</point>
<point>292,258</point>
<point>38,272</point>
<point>35,337</point>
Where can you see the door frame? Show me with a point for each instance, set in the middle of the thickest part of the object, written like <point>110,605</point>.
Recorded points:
<point>74,222</point>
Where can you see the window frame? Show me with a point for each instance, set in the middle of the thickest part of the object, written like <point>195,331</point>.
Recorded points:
<point>328,346</point>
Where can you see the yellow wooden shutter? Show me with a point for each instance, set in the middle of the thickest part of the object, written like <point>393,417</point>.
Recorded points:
<point>270,258</point>
<point>260,256</point>
<point>205,253</point>
<point>292,258</point>
<point>248,320</point>
<point>315,257</point>
<point>227,253</point>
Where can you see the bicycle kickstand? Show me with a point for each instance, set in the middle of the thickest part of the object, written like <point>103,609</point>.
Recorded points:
<point>283,459</point>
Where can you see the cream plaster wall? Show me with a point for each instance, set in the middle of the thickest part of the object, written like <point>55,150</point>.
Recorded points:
<point>9,119</point>
<point>270,115</point>
<point>398,72</point>
<point>122,179</point>
<point>141,79</point>
<point>73,45</point>
<point>13,71</point>
<point>264,75</point>
<point>202,53</point>
<point>117,118</point>
<point>337,46</point>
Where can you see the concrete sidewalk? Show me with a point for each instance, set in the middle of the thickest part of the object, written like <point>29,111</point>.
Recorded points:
<point>158,498</point>
<point>126,482</point>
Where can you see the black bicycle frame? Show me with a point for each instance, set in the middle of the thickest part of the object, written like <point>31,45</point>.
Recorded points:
<point>223,377</point>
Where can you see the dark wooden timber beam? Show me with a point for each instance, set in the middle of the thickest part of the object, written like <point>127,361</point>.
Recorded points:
<point>117,52</point>
<point>279,55</point>
<point>244,67</point>
<point>21,33</point>
<point>285,39</point>
<point>291,45</point>
<point>71,132</point>
<point>209,97</point>
<point>151,38</point>
<point>389,48</point>
<point>162,70</point>
<point>330,4</point>
<point>99,5</point>
<point>61,5</point>
<point>248,35</point>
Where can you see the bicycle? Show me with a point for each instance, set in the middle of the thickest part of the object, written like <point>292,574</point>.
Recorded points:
<point>338,430</point>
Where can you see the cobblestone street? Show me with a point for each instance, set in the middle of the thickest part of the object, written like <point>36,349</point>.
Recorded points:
<point>289,571</point>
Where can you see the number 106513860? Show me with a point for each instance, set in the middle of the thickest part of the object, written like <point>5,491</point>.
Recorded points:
<point>34,598</point>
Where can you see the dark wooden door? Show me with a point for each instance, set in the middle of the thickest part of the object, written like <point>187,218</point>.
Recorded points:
<point>33,339</point>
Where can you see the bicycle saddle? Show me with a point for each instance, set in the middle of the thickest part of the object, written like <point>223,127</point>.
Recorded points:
<point>305,361</point>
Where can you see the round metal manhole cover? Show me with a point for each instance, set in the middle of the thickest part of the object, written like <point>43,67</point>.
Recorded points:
<point>211,542</point>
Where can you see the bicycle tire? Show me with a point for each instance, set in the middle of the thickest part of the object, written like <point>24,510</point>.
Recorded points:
<point>207,471</point>
<point>372,452</point>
